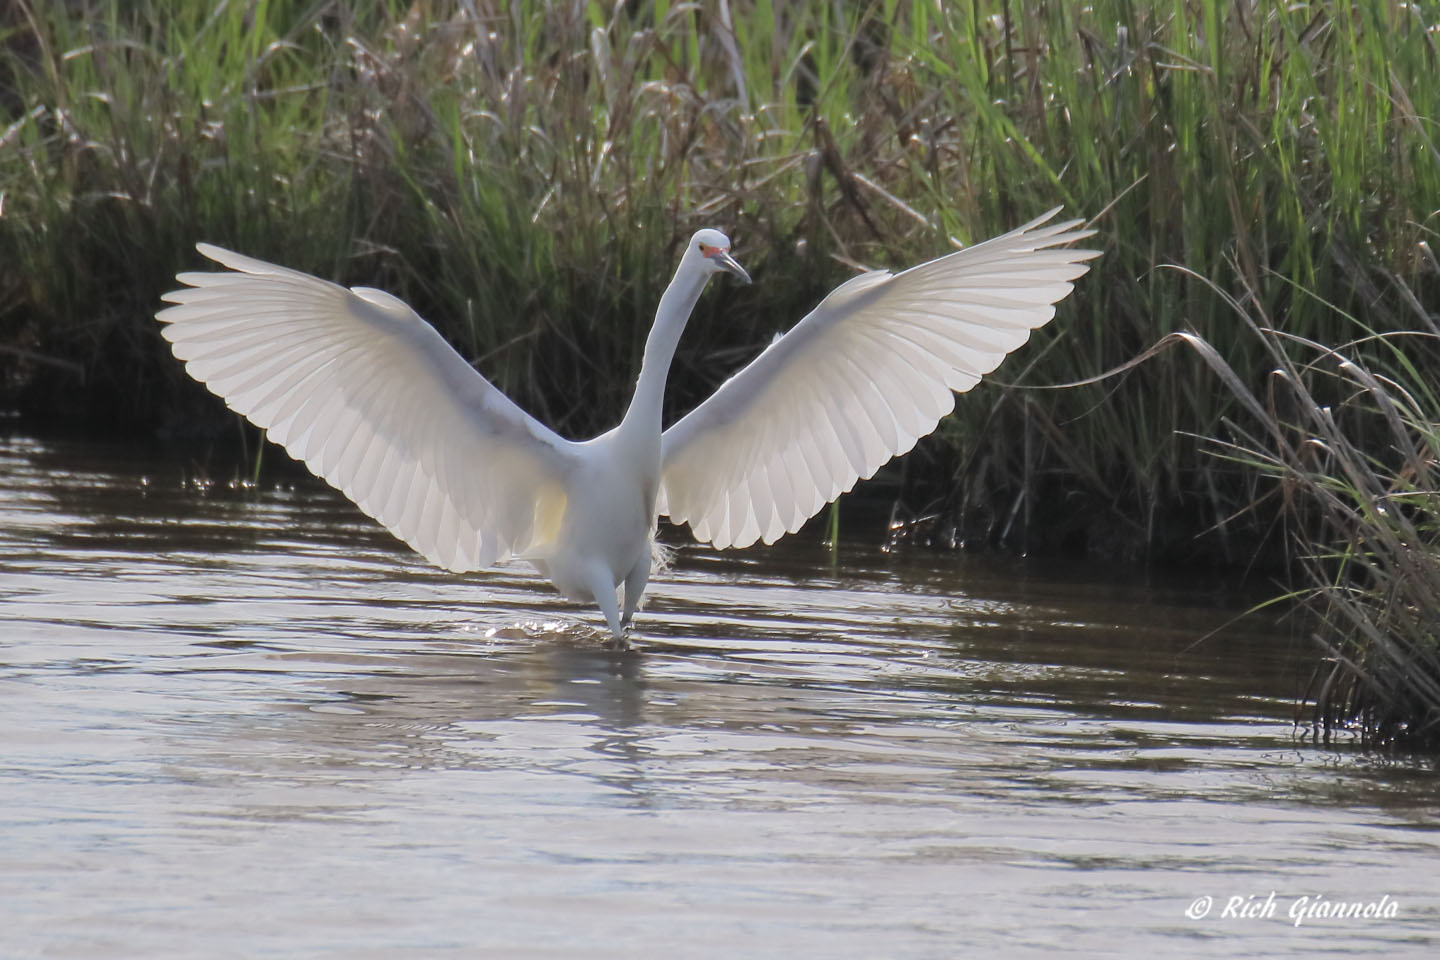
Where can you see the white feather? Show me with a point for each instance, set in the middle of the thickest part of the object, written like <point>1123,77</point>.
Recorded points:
<point>365,393</point>
<point>858,381</point>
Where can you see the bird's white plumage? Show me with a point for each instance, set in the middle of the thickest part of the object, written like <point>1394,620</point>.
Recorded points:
<point>859,380</point>
<point>370,397</point>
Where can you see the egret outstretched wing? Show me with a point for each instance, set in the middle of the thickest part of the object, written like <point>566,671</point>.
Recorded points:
<point>371,398</point>
<point>868,372</point>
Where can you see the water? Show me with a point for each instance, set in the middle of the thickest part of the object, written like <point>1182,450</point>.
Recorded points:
<point>252,725</point>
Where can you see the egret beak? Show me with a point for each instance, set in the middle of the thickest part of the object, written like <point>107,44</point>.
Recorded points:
<point>727,263</point>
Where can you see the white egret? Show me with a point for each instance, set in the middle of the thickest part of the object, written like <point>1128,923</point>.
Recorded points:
<point>371,398</point>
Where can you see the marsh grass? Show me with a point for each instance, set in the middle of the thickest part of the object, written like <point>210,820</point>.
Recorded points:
<point>1286,153</point>
<point>1350,448</point>
<point>523,174</point>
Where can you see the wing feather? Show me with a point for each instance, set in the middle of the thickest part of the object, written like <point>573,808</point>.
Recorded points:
<point>365,393</point>
<point>859,380</point>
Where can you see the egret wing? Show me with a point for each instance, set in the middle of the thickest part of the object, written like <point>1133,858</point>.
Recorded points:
<point>371,398</point>
<point>868,372</point>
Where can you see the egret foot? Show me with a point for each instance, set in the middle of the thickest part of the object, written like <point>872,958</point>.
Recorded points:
<point>620,644</point>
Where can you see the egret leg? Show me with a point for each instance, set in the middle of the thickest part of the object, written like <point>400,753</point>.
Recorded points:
<point>603,589</point>
<point>635,582</point>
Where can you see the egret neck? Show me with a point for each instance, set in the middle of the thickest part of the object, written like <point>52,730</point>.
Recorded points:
<point>641,425</point>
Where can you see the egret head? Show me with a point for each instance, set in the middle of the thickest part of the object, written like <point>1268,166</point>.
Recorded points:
<point>712,248</point>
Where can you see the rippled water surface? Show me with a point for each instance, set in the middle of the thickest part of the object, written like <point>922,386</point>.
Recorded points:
<point>250,724</point>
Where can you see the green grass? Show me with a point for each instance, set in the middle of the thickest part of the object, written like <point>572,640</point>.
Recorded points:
<point>524,179</point>
<point>524,176</point>
<point>1351,450</point>
<point>1269,153</point>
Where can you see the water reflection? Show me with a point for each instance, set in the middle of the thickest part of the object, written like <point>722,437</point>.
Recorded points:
<point>219,705</point>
